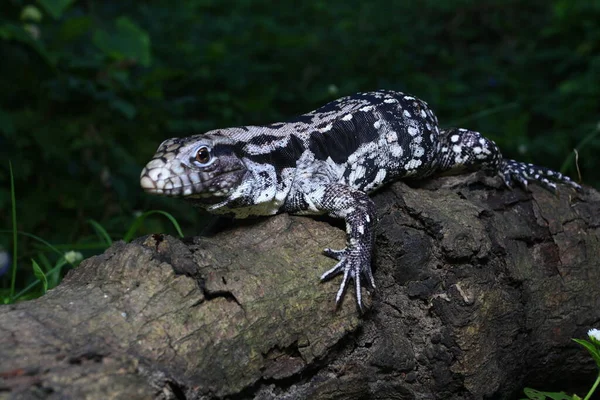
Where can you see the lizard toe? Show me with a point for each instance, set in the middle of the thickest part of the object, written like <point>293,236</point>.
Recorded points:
<point>335,254</point>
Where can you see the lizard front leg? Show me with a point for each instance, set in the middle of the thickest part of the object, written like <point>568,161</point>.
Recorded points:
<point>358,210</point>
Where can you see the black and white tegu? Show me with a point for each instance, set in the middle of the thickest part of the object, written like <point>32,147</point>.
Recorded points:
<point>327,162</point>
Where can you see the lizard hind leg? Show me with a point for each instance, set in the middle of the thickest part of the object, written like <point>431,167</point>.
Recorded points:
<point>465,150</point>
<point>462,149</point>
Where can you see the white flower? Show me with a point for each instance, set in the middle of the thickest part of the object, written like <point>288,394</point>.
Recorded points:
<point>4,262</point>
<point>332,89</point>
<point>73,257</point>
<point>594,334</point>
<point>33,30</point>
<point>4,258</point>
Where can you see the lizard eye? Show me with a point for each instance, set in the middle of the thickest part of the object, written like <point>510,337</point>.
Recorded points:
<point>203,155</point>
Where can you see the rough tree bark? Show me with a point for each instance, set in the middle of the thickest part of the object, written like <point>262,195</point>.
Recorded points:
<point>479,291</point>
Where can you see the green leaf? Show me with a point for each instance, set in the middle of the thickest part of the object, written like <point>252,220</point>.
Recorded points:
<point>44,262</point>
<point>127,42</point>
<point>23,292</point>
<point>138,222</point>
<point>56,8</point>
<point>594,350</point>
<point>538,395</point>
<point>37,271</point>
<point>74,28</point>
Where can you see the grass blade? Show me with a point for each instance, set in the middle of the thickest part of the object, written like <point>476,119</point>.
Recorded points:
<point>39,239</point>
<point>101,232</point>
<point>588,138</point>
<point>139,220</point>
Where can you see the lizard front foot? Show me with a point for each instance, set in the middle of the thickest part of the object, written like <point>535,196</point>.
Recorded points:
<point>354,262</point>
<point>358,210</point>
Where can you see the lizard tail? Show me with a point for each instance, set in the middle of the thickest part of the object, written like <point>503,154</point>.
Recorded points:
<point>522,173</point>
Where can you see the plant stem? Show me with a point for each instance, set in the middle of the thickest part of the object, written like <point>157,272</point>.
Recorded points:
<point>591,392</point>
<point>13,278</point>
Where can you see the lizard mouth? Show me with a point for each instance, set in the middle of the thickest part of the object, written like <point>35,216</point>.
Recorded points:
<point>165,181</point>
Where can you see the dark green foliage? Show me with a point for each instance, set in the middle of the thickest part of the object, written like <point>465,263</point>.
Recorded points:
<point>88,89</point>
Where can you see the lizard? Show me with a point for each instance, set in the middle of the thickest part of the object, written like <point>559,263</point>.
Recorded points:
<point>327,161</point>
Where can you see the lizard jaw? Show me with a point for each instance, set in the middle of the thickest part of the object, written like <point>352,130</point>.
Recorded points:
<point>177,181</point>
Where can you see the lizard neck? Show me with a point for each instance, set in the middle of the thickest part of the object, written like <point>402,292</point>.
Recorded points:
<point>262,191</point>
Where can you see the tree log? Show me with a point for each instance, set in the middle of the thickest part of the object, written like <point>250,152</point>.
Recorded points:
<point>480,290</point>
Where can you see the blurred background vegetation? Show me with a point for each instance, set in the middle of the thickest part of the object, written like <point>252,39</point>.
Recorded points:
<point>88,89</point>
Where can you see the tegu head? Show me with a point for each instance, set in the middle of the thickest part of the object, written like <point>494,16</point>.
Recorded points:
<point>204,168</point>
